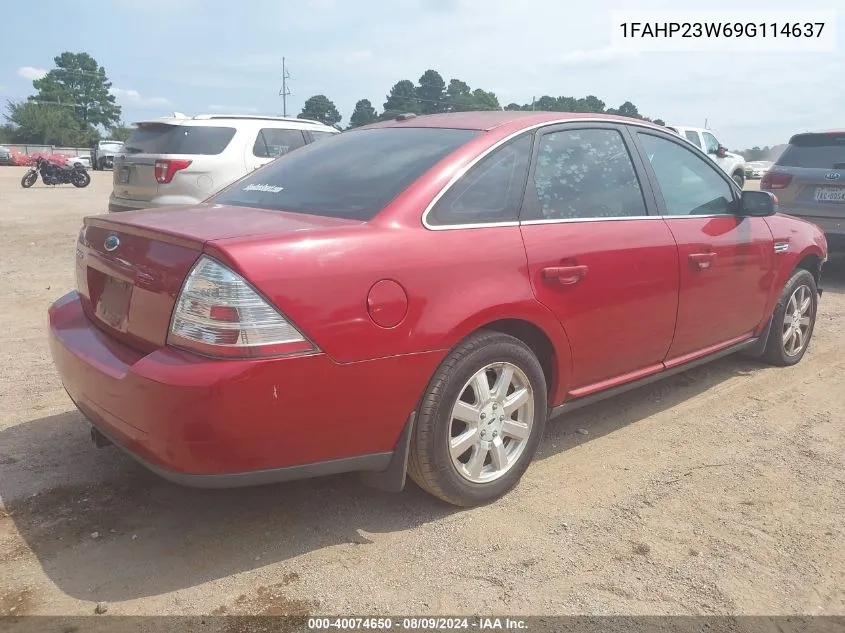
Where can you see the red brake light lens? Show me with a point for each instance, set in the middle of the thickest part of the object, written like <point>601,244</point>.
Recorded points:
<point>166,169</point>
<point>219,314</point>
<point>775,180</point>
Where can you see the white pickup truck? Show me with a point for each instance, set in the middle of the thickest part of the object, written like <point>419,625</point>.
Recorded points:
<point>732,164</point>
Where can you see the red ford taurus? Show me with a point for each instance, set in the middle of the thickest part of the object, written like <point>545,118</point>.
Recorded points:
<point>420,295</point>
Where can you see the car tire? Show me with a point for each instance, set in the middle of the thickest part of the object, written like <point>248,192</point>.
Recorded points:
<point>511,438</point>
<point>102,163</point>
<point>781,347</point>
<point>739,179</point>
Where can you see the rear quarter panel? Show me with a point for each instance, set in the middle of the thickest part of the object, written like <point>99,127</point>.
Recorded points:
<point>804,238</point>
<point>455,281</point>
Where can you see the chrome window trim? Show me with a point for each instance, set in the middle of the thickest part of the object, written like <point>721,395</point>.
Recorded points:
<point>461,172</point>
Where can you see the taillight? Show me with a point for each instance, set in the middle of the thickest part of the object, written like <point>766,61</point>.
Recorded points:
<point>166,169</point>
<point>219,314</point>
<point>775,180</point>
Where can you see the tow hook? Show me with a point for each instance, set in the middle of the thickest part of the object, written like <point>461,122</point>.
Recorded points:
<point>100,440</point>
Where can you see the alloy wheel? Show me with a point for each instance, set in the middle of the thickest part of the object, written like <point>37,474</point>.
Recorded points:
<point>491,422</point>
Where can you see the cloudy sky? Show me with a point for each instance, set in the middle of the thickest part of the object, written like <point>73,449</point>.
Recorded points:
<point>198,56</point>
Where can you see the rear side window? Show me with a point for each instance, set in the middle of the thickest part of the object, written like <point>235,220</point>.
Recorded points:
<point>586,173</point>
<point>162,138</point>
<point>489,192</point>
<point>275,142</point>
<point>821,151</point>
<point>353,177</point>
<point>693,137</point>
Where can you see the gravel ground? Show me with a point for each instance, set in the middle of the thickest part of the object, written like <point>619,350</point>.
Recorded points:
<point>719,491</point>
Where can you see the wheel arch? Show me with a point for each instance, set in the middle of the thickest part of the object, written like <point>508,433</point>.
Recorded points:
<point>544,336</point>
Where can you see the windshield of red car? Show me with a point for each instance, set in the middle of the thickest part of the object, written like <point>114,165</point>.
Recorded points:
<point>351,175</point>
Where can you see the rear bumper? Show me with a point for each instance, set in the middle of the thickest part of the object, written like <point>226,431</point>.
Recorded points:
<point>223,423</point>
<point>834,228</point>
<point>117,204</point>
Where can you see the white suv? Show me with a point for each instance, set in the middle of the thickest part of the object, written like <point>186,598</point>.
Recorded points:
<point>732,164</point>
<point>184,160</point>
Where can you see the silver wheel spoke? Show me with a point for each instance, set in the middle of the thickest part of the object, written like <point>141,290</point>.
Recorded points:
<point>498,455</point>
<point>481,387</point>
<point>805,321</point>
<point>516,430</point>
<point>466,413</point>
<point>503,383</point>
<point>462,443</point>
<point>516,400</point>
<point>788,336</point>
<point>799,341</point>
<point>476,461</point>
<point>805,305</point>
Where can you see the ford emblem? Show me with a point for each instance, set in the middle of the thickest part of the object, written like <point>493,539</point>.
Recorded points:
<point>833,175</point>
<point>111,243</point>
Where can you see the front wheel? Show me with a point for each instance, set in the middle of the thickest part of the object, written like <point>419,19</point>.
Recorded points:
<point>480,420</point>
<point>80,179</point>
<point>739,179</point>
<point>793,321</point>
<point>29,179</point>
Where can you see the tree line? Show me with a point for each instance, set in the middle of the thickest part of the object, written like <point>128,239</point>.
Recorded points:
<point>72,107</point>
<point>431,95</point>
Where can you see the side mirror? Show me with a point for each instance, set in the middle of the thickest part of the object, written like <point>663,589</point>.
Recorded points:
<point>758,204</point>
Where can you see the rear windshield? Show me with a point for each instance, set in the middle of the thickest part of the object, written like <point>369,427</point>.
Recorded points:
<point>162,138</point>
<point>825,151</point>
<point>352,175</point>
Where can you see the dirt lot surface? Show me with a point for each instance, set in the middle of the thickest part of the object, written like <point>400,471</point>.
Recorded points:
<point>717,491</point>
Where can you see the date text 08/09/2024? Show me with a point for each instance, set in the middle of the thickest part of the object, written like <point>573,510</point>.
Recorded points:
<point>721,29</point>
<point>417,624</point>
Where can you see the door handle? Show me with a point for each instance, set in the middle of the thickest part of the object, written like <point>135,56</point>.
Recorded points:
<point>702,260</point>
<point>566,275</point>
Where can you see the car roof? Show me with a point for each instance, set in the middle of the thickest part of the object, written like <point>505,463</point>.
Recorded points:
<point>210,119</point>
<point>491,119</point>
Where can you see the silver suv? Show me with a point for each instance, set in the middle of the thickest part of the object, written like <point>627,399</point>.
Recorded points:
<point>809,182</point>
<point>184,160</point>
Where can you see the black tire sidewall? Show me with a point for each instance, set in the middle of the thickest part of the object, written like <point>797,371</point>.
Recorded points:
<point>775,351</point>
<point>739,179</point>
<point>502,348</point>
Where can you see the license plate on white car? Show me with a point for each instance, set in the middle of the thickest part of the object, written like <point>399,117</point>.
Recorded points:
<point>123,175</point>
<point>830,194</point>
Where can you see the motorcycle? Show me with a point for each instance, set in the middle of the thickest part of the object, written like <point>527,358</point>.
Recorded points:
<point>53,174</point>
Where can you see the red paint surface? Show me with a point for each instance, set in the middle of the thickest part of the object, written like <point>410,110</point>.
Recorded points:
<point>639,307</point>
<point>387,303</point>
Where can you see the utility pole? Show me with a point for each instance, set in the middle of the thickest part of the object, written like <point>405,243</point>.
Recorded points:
<point>285,91</point>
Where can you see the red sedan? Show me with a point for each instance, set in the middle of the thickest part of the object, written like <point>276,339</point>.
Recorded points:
<point>421,295</point>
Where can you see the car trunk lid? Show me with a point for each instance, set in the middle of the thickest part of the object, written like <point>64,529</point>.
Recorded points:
<point>130,267</point>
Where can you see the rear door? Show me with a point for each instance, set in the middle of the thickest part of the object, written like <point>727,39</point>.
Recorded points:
<point>599,256</point>
<point>726,260</point>
<point>809,177</point>
<point>135,169</point>
<point>270,143</point>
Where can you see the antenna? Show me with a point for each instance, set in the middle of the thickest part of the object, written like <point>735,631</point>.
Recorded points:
<point>285,91</point>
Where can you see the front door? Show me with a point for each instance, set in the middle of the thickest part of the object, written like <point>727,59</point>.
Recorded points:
<point>599,256</point>
<point>726,260</point>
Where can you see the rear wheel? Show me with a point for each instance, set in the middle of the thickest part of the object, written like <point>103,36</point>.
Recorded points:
<point>739,178</point>
<point>793,321</point>
<point>80,179</point>
<point>480,420</point>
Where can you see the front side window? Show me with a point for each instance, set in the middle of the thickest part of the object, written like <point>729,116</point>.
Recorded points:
<point>690,185</point>
<point>711,143</point>
<point>275,142</point>
<point>489,192</point>
<point>354,176</point>
<point>586,173</point>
